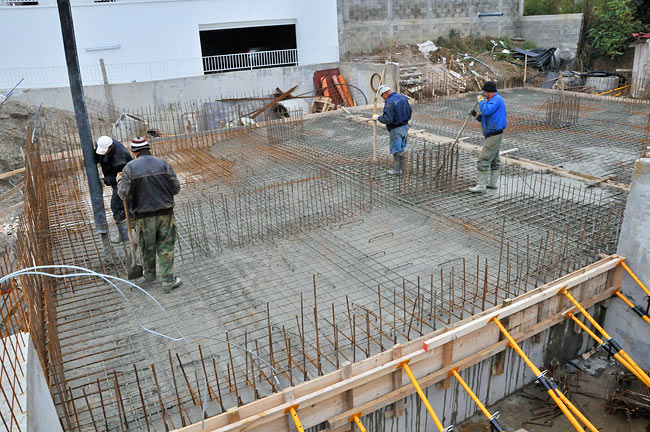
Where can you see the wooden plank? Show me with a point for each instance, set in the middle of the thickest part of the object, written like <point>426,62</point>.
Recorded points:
<point>600,180</point>
<point>447,360</point>
<point>277,411</point>
<point>532,297</point>
<point>398,381</point>
<point>528,164</point>
<point>348,396</point>
<point>273,102</point>
<point>11,191</point>
<point>12,173</point>
<point>467,334</point>
<point>479,356</point>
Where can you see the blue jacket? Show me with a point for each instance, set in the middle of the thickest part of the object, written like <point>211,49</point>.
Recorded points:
<point>397,111</point>
<point>493,115</point>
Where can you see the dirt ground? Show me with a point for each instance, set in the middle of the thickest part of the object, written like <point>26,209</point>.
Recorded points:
<point>471,60</point>
<point>591,382</point>
<point>15,118</point>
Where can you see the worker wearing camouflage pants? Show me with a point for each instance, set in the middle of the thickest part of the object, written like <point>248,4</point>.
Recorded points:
<point>493,120</point>
<point>149,184</point>
<point>157,236</point>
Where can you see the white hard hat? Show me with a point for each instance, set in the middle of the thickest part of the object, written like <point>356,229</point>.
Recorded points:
<point>103,144</point>
<point>383,89</point>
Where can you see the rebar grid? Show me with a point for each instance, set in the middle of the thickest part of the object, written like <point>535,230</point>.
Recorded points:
<point>307,253</point>
<point>585,146</point>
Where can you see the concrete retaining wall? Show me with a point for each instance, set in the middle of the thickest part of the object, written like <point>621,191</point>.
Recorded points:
<point>552,30</point>
<point>231,84</point>
<point>38,413</point>
<point>367,25</point>
<point>454,404</point>
<point>628,329</point>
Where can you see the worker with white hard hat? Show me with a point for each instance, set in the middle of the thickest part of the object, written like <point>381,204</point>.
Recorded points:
<point>113,157</point>
<point>396,116</point>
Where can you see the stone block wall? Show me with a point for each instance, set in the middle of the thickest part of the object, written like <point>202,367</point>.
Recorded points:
<point>365,25</point>
<point>552,30</point>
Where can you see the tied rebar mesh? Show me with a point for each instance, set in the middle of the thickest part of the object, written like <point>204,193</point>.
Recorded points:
<point>562,110</point>
<point>295,245</point>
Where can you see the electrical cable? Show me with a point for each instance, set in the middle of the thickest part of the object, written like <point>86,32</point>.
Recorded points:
<point>36,270</point>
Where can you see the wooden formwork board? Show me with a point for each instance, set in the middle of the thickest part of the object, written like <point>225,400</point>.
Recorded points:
<point>373,383</point>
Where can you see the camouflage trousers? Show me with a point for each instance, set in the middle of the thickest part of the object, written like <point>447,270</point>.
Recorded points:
<point>157,236</point>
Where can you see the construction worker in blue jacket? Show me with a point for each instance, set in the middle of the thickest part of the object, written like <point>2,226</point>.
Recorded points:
<point>396,116</point>
<point>492,115</point>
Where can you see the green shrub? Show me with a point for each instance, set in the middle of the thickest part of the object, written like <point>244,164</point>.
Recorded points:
<point>550,7</point>
<point>615,22</point>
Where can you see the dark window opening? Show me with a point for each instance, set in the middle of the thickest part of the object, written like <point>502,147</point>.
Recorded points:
<point>248,48</point>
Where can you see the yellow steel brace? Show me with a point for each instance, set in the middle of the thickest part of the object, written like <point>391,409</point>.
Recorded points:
<point>562,402</point>
<point>640,372</point>
<point>475,398</point>
<point>617,356</point>
<point>294,415</point>
<point>632,305</point>
<point>643,287</point>
<point>425,401</point>
<point>356,418</point>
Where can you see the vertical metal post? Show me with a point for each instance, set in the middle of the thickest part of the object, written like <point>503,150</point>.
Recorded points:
<point>81,116</point>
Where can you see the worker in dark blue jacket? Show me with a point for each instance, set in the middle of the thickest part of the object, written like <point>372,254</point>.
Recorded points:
<point>113,157</point>
<point>492,115</point>
<point>396,116</point>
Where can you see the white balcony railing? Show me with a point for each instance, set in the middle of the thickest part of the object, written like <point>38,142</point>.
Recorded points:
<point>57,76</point>
<point>251,60</point>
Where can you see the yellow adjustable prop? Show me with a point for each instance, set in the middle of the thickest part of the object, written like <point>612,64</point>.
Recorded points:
<point>617,356</point>
<point>643,287</point>
<point>561,401</point>
<point>634,307</point>
<point>425,401</point>
<point>294,415</point>
<point>614,345</point>
<point>492,418</point>
<point>356,418</point>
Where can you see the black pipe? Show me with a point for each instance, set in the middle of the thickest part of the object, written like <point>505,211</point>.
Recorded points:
<point>81,115</point>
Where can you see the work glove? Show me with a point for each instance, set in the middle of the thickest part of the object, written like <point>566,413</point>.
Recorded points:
<point>375,117</point>
<point>480,98</point>
<point>118,177</point>
<point>473,113</point>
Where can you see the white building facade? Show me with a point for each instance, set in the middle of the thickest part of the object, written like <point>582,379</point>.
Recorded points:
<point>147,40</point>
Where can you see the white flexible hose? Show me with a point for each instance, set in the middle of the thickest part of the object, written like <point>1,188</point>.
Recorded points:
<point>37,270</point>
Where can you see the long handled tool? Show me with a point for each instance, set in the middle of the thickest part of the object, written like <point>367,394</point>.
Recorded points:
<point>374,111</point>
<point>134,270</point>
<point>460,132</point>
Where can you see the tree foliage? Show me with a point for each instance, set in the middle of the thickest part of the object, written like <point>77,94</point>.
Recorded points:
<point>615,21</point>
<point>551,7</point>
<point>607,24</point>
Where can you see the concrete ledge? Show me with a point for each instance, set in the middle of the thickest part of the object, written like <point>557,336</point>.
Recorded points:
<point>557,17</point>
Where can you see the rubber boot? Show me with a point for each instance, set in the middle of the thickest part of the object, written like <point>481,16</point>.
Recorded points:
<point>396,165</point>
<point>169,286</point>
<point>122,233</point>
<point>494,179</point>
<point>482,181</point>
